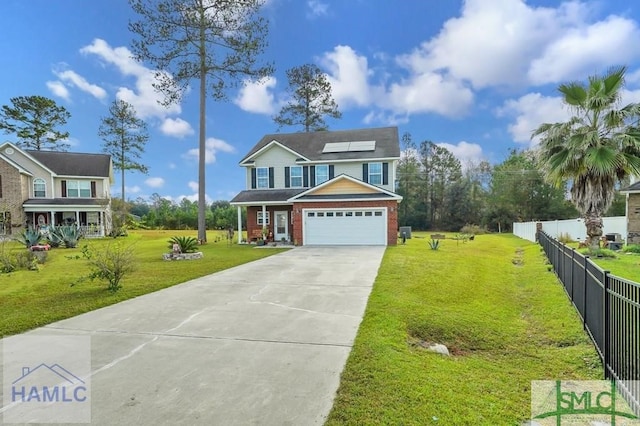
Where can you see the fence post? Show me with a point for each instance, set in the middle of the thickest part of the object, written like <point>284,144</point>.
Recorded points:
<point>573,252</point>
<point>584,298</point>
<point>606,323</point>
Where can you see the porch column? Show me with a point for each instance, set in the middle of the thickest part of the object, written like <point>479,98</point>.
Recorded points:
<point>77,218</point>
<point>239,224</point>
<point>264,216</point>
<point>101,223</point>
<point>53,218</point>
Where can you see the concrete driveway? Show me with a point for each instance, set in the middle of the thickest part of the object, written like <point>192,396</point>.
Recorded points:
<point>262,343</point>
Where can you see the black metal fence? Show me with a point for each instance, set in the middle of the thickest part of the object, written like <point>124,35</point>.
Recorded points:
<point>610,310</point>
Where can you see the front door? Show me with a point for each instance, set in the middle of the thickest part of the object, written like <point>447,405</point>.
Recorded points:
<point>281,228</point>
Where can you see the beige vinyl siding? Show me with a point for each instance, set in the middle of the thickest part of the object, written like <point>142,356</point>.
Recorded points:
<point>344,186</point>
<point>275,157</point>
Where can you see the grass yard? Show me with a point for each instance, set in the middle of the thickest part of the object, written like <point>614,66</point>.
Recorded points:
<point>29,299</point>
<point>492,301</point>
<point>626,265</point>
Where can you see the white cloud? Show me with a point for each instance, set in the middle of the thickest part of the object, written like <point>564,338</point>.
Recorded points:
<point>193,198</point>
<point>348,75</point>
<point>133,189</point>
<point>212,147</point>
<point>317,8</point>
<point>530,111</point>
<point>155,182</point>
<point>257,96</point>
<point>193,185</point>
<point>172,166</point>
<point>144,98</point>
<point>74,79</point>
<point>59,89</point>
<point>176,127</point>
<point>466,152</point>
<point>581,50</point>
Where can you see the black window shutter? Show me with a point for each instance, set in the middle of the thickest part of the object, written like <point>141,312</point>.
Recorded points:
<point>64,188</point>
<point>270,177</point>
<point>93,189</point>
<point>305,176</point>
<point>253,178</point>
<point>287,177</point>
<point>0,186</point>
<point>331,171</point>
<point>365,172</point>
<point>385,173</point>
<point>312,175</point>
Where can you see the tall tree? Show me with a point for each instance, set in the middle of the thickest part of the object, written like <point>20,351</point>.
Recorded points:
<point>411,211</point>
<point>311,100</point>
<point>35,121</point>
<point>215,42</point>
<point>598,146</point>
<point>124,136</point>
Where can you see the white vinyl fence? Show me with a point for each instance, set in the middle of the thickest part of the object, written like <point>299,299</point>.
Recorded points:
<point>573,227</point>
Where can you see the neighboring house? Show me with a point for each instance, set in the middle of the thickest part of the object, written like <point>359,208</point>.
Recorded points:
<point>43,188</point>
<point>323,188</point>
<point>633,212</point>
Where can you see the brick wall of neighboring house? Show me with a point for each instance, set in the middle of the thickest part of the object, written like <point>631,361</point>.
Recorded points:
<point>13,193</point>
<point>392,216</point>
<point>633,219</point>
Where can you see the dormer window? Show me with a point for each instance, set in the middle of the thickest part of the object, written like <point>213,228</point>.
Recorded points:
<point>39,188</point>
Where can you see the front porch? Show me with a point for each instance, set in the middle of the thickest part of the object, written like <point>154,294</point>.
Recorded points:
<point>93,220</point>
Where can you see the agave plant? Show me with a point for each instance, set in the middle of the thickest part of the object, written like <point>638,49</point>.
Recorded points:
<point>69,234</point>
<point>186,244</point>
<point>30,237</point>
<point>434,244</point>
<point>54,238</point>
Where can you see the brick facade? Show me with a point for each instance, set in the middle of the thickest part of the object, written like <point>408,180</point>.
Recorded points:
<point>13,193</point>
<point>633,219</point>
<point>392,216</point>
<point>254,230</point>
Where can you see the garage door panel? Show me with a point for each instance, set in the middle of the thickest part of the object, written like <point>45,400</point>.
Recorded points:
<point>345,227</point>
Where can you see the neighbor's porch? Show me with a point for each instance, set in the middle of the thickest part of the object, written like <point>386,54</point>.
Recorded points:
<point>93,224</point>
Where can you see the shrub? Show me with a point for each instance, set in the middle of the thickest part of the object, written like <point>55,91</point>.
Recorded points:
<point>7,261</point>
<point>601,252</point>
<point>474,229</point>
<point>434,244</point>
<point>29,237</point>
<point>187,244</point>
<point>565,238</point>
<point>632,248</point>
<point>27,260</point>
<point>110,264</point>
<point>54,238</point>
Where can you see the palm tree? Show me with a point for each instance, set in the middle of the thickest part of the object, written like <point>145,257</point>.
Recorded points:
<point>594,149</point>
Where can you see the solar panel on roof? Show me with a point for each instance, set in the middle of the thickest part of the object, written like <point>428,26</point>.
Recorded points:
<point>362,146</point>
<point>335,147</point>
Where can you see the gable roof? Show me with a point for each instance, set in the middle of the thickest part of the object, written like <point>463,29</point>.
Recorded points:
<point>309,145</point>
<point>377,192</point>
<point>74,163</point>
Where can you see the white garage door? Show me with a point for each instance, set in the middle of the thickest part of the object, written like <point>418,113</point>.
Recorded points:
<point>345,226</point>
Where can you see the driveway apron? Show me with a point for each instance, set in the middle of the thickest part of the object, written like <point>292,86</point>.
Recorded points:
<point>262,343</point>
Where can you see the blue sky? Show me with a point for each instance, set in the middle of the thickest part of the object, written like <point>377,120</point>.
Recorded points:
<point>476,76</point>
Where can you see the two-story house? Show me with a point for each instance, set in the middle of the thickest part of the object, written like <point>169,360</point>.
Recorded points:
<point>43,188</point>
<point>323,188</point>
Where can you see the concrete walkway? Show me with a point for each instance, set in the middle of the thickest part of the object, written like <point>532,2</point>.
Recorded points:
<point>263,343</point>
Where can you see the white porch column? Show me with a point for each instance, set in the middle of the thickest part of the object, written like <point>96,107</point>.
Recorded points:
<point>53,218</point>
<point>239,224</point>
<point>264,216</point>
<point>77,218</point>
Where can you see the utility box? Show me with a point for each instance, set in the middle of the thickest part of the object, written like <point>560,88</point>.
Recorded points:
<point>406,230</point>
<point>614,237</point>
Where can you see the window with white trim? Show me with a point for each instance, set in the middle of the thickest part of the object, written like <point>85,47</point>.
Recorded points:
<point>295,176</point>
<point>322,173</point>
<point>375,173</point>
<point>259,220</point>
<point>78,189</point>
<point>39,188</point>
<point>262,177</point>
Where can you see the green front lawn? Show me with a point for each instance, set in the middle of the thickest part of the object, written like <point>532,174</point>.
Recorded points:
<point>29,299</point>
<point>505,318</point>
